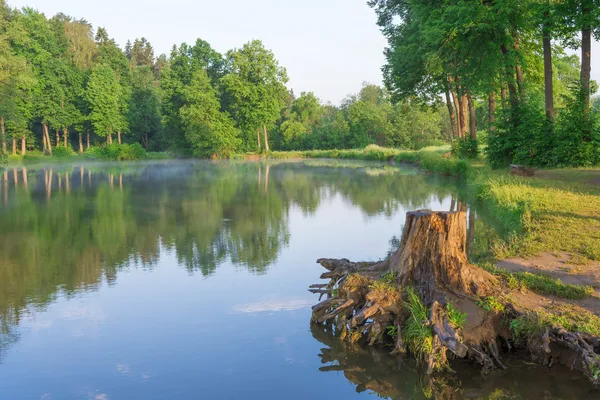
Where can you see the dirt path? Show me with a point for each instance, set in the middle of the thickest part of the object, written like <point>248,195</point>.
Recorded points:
<point>558,266</point>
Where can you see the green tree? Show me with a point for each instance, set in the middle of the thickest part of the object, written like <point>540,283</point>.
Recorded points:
<point>210,132</point>
<point>144,110</point>
<point>103,95</point>
<point>255,87</point>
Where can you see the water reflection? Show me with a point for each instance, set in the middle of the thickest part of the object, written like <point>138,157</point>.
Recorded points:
<point>374,370</point>
<point>66,231</point>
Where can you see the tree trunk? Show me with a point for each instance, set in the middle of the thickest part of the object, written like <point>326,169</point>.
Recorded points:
<point>65,136</point>
<point>519,71</point>
<point>266,138</point>
<point>548,85</point>
<point>119,137</point>
<point>80,144</point>
<point>472,118</point>
<point>45,144</point>
<point>47,134</point>
<point>492,111</point>
<point>258,138</point>
<point>464,114</point>
<point>23,146</point>
<point>14,147</point>
<point>109,138</point>
<point>509,77</point>
<point>57,139</point>
<point>586,64</point>
<point>503,95</point>
<point>88,141</point>
<point>431,262</point>
<point>456,106</point>
<point>3,130</point>
<point>451,114</point>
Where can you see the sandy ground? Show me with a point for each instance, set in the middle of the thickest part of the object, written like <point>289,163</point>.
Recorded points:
<point>558,266</point>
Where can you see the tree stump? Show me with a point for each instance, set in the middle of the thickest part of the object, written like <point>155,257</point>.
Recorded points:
<point>427,292</point>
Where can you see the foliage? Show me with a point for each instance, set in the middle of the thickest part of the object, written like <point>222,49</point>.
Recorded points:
<point>392,331</point>
<point>390,277</point>
<point>210,132</point>
<point>62,151</point>
<point>491,304</point>
<point>102,94</point>
<point>118,152</point>
<point>254,85</point>
<point>417,333</point>
<point>455,316</point>
<point>465,148</point>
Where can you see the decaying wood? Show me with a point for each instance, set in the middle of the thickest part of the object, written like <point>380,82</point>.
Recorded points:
<point>432,262</point>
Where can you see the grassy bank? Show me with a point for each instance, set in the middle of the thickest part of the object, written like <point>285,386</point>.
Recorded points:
<point>556,211</point>
<point>38,158</point>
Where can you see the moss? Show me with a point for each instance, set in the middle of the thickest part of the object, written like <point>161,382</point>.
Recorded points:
<point>356,282</point>
<point>385,294</point>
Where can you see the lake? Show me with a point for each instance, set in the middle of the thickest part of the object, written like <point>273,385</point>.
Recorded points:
<point>188,280</point>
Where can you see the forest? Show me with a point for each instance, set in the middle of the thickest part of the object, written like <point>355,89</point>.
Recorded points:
<point>499,76</point>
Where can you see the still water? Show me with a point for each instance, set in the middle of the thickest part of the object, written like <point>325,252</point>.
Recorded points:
<point>187,280</point>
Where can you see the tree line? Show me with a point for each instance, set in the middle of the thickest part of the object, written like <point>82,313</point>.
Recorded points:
<point>65,85</point>
<point>500,66</point>
<point>471,73</point>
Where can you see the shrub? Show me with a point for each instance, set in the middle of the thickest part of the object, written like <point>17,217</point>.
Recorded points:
<point>465,147</point>
<point>120,152</point>
<point>63,151</point>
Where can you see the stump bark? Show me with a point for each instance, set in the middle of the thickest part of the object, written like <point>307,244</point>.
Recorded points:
<point>375,301</point>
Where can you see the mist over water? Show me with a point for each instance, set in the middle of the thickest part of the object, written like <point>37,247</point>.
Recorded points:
<point>187,279</point>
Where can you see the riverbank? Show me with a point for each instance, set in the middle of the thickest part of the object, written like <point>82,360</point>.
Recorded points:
<point>542,295</point>
<point>38,158</point>
<point>556,211</point>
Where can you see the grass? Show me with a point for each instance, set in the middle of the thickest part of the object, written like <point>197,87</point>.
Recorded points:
<point>572,318</point>
<point>492,304</point>
<point>36,157</point>
<point>416,333</point>
<point>540,284</point>
<point>455,316</point>
<point>546,215</point>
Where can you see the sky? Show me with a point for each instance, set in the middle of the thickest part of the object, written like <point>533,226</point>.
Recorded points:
<point>329,47</point>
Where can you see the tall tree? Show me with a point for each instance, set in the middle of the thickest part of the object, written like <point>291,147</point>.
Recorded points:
<point>103,95</point>
<point>144,110</point>
<point>210,132</point>
<point>255,85</point>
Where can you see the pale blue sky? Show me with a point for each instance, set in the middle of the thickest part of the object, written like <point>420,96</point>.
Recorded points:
<point>328,46</point>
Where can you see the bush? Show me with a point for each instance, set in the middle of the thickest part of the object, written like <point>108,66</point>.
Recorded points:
<point>524,136</point>
<point>3,159</point>
<point>119,152</point>
<point>465,147</point>
<point>62,151</point>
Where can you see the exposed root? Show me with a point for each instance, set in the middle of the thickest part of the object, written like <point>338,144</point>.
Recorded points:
<point>409,302</point>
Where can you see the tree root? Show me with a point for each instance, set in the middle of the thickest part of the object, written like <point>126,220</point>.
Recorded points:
<point>371,301</point>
